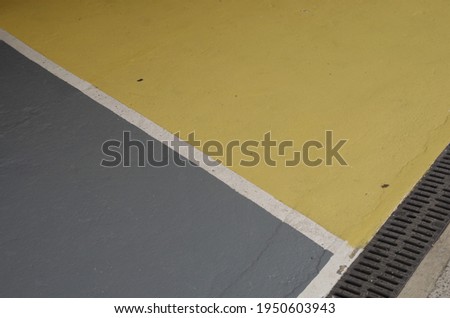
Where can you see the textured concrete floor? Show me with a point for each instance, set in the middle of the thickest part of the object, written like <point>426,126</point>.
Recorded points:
<point>215,68</point>
<point>442,286</point>
<point>432,277</point>
<point>376,73</point>
<point>71,228</point>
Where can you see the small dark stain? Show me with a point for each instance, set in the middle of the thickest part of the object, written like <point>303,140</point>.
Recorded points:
<point>140,80</point>
<point>341,269</point>
<point>384,185</point>
<point>353,253</point>
<point>235,95</point>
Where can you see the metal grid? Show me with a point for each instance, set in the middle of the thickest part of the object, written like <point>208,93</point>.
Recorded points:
<point>392,256</point>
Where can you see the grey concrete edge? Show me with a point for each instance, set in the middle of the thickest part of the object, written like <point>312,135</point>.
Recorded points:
<point>427,279</point>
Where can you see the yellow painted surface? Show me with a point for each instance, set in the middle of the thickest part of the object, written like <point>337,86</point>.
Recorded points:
<point>374,72</point>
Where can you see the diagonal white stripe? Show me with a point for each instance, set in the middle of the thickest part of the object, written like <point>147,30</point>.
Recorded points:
<point>343,254</point>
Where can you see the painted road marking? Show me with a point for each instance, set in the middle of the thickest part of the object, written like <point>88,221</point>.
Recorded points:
<point>343,254</point>
<point>374,73</point>
<point>72,228</point>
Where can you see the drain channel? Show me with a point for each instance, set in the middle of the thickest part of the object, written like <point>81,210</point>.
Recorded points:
<point>394,253</point>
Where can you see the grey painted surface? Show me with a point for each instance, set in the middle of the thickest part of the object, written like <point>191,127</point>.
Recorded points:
<point>70,228</point>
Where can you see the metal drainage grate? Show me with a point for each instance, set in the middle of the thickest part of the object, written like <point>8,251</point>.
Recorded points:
<point>392,256</point>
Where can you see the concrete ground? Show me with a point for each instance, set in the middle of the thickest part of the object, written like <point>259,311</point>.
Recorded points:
<point>375,74</point>
<point>70,227</point>
<point>442,286</point>
<point>432,277</point>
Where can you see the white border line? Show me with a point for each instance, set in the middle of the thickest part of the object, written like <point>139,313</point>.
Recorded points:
<point>343,254</point>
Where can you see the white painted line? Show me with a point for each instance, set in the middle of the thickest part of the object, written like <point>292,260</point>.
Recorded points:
<point>341,250</point>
